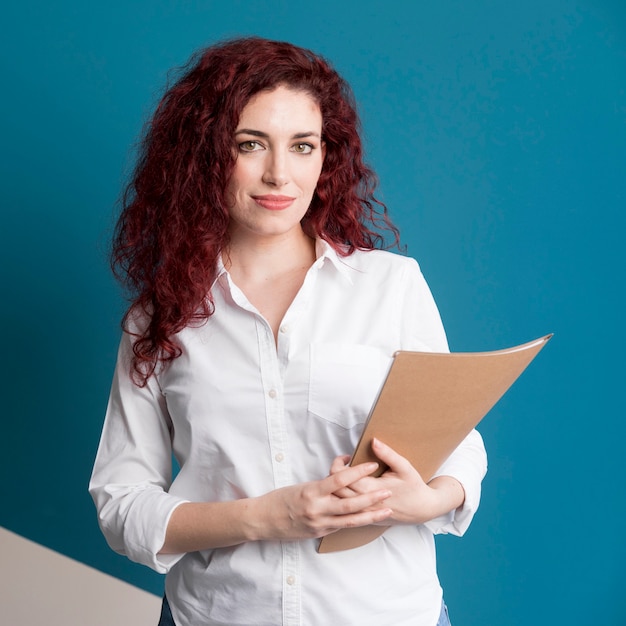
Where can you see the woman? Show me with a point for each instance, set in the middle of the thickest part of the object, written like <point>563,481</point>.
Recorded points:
<point>262,326</point>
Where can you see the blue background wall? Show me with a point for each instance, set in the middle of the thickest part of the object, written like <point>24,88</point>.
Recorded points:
<point>499,133</point>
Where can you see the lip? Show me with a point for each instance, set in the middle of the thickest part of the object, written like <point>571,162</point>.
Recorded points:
<point>274,202</point>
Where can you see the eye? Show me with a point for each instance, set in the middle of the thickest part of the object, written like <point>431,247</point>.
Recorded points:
<point>303,148</point>
<point>250,146</point>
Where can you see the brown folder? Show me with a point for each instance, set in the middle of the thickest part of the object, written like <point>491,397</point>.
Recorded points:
<point>428,404</point>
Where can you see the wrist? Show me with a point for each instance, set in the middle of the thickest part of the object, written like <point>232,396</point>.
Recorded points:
<point>449,494</point>
<point>251,517</point>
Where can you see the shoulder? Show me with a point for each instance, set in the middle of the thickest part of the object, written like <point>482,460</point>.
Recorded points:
<point>135,322</point>
<point>381,262</point>
<point>388,272</point>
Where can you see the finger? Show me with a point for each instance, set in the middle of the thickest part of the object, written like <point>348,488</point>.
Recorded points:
<point>360,503</point>
<point>339,463</point>
<point>366,518</point>
<point>345,492</point>
<point>396,462</point>
<point>348,475</point>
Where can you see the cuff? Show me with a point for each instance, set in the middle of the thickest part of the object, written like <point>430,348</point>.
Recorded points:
<point>142,525</point>
<point>468,465</point>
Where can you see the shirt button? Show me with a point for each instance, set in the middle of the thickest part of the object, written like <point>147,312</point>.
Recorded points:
<point>280,457</point>
<point>284,329</point>
<point>291,579</point>
<point>272,393</point>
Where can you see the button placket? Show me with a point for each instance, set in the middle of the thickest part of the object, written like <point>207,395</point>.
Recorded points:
<point>291,584</point>
<point>274,404</point>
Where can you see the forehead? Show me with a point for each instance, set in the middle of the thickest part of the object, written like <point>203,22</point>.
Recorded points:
<point>282,108</point>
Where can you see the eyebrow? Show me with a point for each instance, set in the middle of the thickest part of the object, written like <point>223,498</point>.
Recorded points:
<point>258,133</point>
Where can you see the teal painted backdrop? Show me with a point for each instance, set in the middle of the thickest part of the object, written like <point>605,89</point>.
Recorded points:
<point>498,130</point>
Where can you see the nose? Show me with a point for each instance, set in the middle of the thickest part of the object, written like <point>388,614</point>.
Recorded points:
<point>276,171</point>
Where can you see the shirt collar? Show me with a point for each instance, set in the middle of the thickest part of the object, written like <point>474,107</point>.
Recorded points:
<point>323,251</point>
<point>220,268</point>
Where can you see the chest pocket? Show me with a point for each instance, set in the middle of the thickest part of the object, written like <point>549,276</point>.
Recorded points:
<point>344,381</point>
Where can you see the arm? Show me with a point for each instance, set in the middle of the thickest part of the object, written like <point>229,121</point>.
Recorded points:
<point>446,504</point>
<point>412,500</point>
<point>133,469</point>
<point>421,329</point>
<point>139,517</point>
<point>468,464</point>
<point>308,510</point>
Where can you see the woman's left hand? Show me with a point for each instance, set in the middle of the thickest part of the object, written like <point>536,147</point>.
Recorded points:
<point>412,500</point>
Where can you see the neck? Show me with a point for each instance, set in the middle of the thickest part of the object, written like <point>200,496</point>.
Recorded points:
<point>258,259</point>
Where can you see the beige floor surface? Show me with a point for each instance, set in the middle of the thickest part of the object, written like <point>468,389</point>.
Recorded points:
<point>39,587</point>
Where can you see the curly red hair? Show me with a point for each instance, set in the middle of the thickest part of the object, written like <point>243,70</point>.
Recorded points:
<point>174,220</point>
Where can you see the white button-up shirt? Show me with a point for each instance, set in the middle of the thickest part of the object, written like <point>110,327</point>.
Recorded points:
<point>244,414</point>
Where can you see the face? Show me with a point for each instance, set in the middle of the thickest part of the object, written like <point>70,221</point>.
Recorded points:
<point>279,159</point>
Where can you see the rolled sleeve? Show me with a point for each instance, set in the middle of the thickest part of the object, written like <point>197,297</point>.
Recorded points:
<point>423,330</point>
<point>133,469</point>
<point>134,521</point>
<point>468,465</point>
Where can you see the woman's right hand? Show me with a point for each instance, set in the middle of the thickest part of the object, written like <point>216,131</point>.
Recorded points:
<point>303,511</point>
<point>312,510</point>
